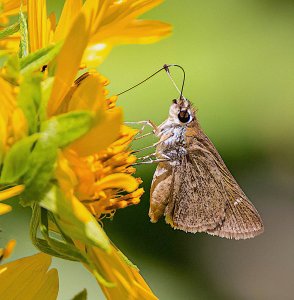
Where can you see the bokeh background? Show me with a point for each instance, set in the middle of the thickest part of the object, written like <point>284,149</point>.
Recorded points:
<point>239,61</point>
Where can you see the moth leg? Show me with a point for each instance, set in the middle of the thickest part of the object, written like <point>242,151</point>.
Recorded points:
<point>148,160</point>
<point>153,145</point>
<point>152,161</point>
<point>144,124</point>
<point>142,136</point>
<point>148,147</point>
<point>149,156</point>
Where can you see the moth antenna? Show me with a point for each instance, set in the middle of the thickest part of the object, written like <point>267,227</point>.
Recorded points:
<point>172,80</point>
<point>166,68</point>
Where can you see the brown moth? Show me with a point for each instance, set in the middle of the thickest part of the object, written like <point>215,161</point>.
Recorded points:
<point>192,187</point>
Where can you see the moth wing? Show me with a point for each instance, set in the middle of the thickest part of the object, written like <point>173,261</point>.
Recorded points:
<point>160,191</point>
<point>196,203</point>
<point>241,219</point>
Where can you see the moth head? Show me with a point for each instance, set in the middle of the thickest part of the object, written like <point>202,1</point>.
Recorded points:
<point>181,111</point>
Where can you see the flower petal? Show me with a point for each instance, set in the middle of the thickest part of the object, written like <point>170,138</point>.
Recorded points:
<point>4,209</point>
<point>88,95</point>
<point>68,63</point>
<point>11,192</point>
<point>27,278</point>
<point>101,135</point>
<point>122,12</point>
<point>96,53</point>
<point>118,181</point>
<point>116,268</point>
<point>140,32</point>
<point>94,11</point>
<point>37,24</point>
<point>11,7</point>
<point>70,10</point>
<point>48,289</point>
<point>6,252</point>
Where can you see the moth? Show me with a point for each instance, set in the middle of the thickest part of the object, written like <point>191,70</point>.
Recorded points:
<point>192,187</point>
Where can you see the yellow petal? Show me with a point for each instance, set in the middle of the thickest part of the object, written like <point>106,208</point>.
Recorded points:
<point>112,23</point>
<point>95,12</point>
<point>96,53</point>
<point>114,267</point>
<point>66,177</point>
<point>8,99</point>
<point>70,10</point>
<point>89,95</point>
<point>11,192</point>
<point>12,7</point>
<point>37,24</point>
<point>123,11</point>
<point>68,63</point>
<point>48,289</point>
<point>118,181</point>
<point>4,209</point>
<point>140,32</point>
<point>6,252</point>
<point>27,278</point>
<point>19,124</point>
<point>101,135</point>
<point>51,26</point>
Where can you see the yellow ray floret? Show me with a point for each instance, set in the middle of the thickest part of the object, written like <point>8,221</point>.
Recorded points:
<point>29,278</point>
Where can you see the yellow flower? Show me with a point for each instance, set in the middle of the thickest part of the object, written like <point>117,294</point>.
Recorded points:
<point>101,177</point>
<point>28,278</point>
<point>102,181</point>
<point>95,170</point>
<point>92,176</point>
<point>109,23</point>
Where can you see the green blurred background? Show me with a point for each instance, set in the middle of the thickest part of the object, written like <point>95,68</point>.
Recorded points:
<point>239,61</point>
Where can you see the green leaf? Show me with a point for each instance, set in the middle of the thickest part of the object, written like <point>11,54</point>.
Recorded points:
<point>46,88</point>
<point>41,167</point>
<point>55,133</point>
<point>81,295</point>
<point>12,68</point>
<point>35,61</point>
<point>74,219</point>
<point>29,100</point>
<point>16,161</point>
<point>25,61</point>
<point>43,245</point>
<point>24,40</point>
<point>61,247</point>
<point>68,127</point>
<point>7,31</point>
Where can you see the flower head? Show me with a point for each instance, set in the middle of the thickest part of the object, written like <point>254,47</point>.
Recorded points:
<point>64,149</point>
<point>102,179</point>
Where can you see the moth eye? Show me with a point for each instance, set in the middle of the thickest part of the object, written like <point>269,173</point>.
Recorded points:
<point>184,116</point>
<point>174,101</point>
